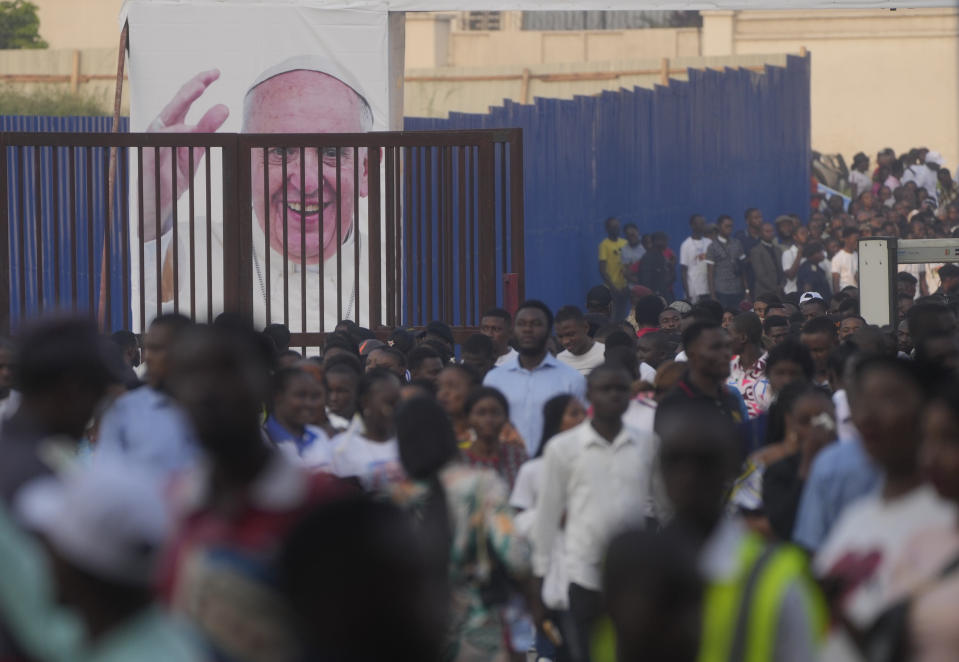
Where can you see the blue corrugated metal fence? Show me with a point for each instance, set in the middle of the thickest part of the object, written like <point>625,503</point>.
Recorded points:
<point>717,144</point>
<point>73,248</point>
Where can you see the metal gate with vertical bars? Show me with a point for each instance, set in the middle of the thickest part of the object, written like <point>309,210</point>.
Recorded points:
<point>442,212</point>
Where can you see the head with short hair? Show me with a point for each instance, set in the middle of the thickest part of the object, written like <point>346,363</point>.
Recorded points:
<point>885,397</point>
<point>648,309</point>
<point>341,379</point>
<point>478,353</point>
<point>453,387</point>
<point>707,351</point>
<point>221,382</point>
<point>776,329</point>
<point>279,334</point>
<point>532,326</point>
<point>707,310</point>
<point>599,300</point>
<point>424,362</point>
<point>819,336</point>
<point>699,455</point>
<point>747,330</point>
<point>788,362</point>
<point>654,348</point>
<point>572,331</point>
<point>497,324</point>
<point>487,411</point>
<point>389,358</point>
<point>339,343</point>
<point>670,319</point>
<point>65,368</point>
<point>163,333</point>
<point>608,391</point>
<point>697,223</point>
<point>927,318</point>
<point>623,357</point>
<point>620,339</point>
<point>377,396</point>
<point>763,302</point>
<point>849,325</point>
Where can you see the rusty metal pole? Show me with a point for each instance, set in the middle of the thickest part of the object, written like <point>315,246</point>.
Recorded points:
<point>103,313</point>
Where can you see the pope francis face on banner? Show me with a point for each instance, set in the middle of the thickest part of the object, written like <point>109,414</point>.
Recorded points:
<point>297,189</point>
<point>304,101</point>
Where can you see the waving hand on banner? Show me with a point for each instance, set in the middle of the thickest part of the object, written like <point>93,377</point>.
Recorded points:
<point>172,119</point>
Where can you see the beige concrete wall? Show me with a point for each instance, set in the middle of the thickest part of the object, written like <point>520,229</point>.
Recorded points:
<point>531,47</point>
<point>32,69</point>
<point>79,23</point>
<point>436,92</point>
<point>879,78</point>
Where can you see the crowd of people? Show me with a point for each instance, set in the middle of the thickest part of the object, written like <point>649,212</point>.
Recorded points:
<point>911,196</point>
<point>751,472</point>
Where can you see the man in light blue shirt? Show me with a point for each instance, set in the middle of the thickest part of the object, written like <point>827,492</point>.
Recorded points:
<point>146,427</point>
<point>840,474</point>
<point>533,376</point>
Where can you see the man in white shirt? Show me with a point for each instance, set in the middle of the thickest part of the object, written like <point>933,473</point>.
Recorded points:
<point>692,260</point>
<point>496,323</point>
<point>600,474</point>
<point>581,352</point>
<point>845,263</point>
<point>926,176</point>
<point>858,179</point>
<point>793,259</point>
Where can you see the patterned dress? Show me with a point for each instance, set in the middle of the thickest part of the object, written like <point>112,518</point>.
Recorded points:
<point>506,463</point>
<point>482,526</point>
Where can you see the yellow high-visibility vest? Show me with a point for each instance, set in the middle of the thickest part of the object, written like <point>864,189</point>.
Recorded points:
<point>742,628</point>
<point>734,630</point>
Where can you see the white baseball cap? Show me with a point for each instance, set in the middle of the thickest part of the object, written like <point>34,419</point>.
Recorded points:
<point>108,520</point>
<point>810,296</point>
<point>934,157</point>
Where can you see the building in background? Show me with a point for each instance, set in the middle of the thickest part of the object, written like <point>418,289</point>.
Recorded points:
<point>879,77</point>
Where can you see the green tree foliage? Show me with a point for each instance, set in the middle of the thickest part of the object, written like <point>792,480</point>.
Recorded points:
<point>20,25</point>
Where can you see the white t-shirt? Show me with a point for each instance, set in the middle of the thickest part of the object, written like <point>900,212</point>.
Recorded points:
<point>376,464</point>
<point>584,363</point>
<point>524,496</point>
<point>692,255</point>
<point>847,266</point>
<point>647,372</point>
<point>318,456</point>
<point>867,542</point>
<point>860,181</point>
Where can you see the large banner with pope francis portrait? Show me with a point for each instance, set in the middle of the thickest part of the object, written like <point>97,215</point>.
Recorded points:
<point>255,67</point>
